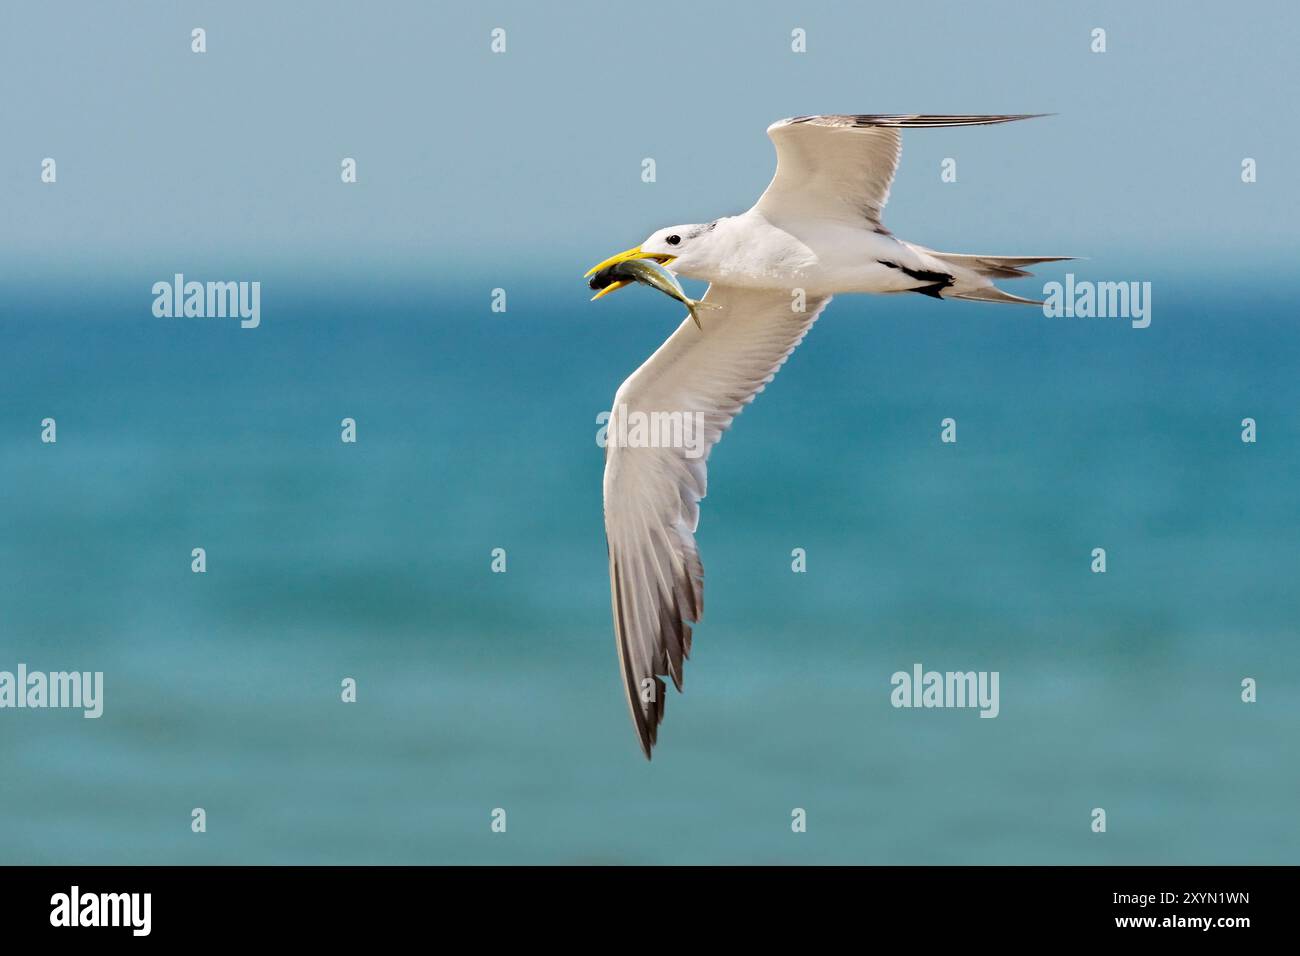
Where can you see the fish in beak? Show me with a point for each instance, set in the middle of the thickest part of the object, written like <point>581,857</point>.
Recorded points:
<point>627,255</point>
<point>635,266</point>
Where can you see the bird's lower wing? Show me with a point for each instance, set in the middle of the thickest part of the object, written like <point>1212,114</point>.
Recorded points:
<point>840,167</point>
<point>666,418</point>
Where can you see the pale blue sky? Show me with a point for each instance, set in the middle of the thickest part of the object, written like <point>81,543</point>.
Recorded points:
<point>168,157</point>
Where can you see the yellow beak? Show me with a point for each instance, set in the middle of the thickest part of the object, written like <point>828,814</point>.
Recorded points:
<point>612,287</point>
<point>633,253</point>
<point>624,256</point>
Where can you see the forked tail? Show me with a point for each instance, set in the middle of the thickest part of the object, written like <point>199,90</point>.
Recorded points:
<point>972,275</point>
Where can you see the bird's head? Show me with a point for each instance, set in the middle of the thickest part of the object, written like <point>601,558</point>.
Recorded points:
<point>681,248</point>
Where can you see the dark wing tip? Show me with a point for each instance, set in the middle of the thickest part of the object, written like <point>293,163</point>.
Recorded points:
<point>645,717</point>
<point>914,120</point>
<point>648,719</point>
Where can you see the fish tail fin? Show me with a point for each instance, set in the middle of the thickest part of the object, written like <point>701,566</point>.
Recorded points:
<point>696,306</point>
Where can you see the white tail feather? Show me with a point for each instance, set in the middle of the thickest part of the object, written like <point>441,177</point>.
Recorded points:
<point>997,267</point>
<point>990,293</point>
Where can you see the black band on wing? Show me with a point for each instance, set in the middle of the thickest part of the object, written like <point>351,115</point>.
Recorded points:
<point>935,282</point>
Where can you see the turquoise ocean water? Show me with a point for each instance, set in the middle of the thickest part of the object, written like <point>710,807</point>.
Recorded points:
<point>481,690</point>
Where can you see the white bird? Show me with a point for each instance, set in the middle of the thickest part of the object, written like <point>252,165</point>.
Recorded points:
<point>815,232</point>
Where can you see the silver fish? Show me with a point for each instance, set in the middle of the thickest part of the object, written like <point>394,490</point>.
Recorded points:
<point>649,273</point>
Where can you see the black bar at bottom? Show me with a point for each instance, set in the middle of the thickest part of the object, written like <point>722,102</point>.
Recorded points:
<point>375,904</point>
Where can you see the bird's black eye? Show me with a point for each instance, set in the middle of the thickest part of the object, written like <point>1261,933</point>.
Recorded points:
<point>673,240</point>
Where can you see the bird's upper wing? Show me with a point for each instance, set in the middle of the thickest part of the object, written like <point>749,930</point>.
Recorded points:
<point>697,382</point>
<point>840,167</point>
